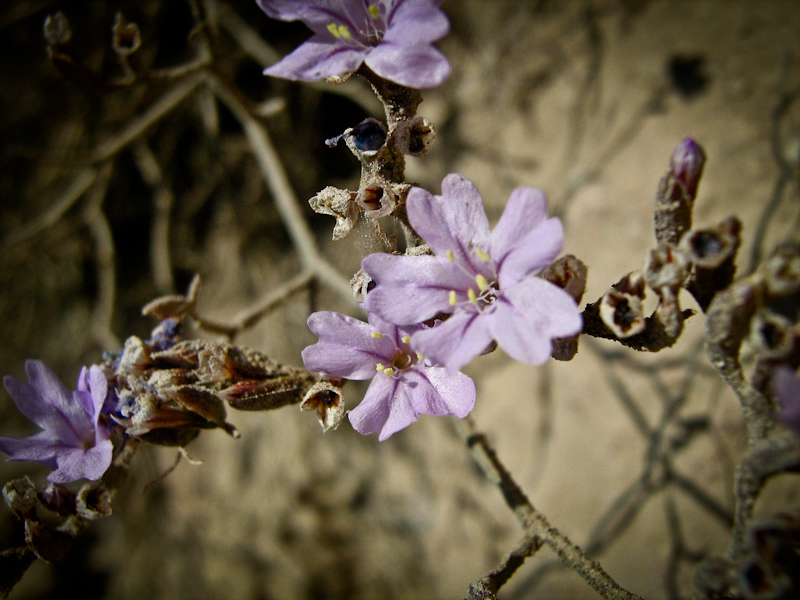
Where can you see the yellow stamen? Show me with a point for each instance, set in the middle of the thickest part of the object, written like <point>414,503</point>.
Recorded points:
<point>388,371</point>
<point>481,281</point>
<point>471,296</point>
<point>334,29</point>
<point>379,367</point>
<point>452,299</point>
<point>377,335</point>
<point>419,356</point>
<point>405,339</point>
<point>450,256</point>
<point>345,32</point>
<point>373,10</point>
<point>482,255</point>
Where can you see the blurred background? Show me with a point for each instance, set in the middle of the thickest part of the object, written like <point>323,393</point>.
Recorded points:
<point>114,191</point>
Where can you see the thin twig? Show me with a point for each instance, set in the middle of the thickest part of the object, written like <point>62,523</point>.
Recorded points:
<point>285,199</point>
<point>77,188</point>
<point>536,525</point>
<point>104,257</point>
<point>170,100</point>
<point>250,316</point>
<point>163,200</point>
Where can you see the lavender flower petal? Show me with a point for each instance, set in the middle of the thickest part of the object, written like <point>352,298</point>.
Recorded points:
<point>412,289</point>
<point>72,444</point>
<point>456,341</point>
<point>416,23</point>
<point>530,254</point>
<point>314,60</point>
<point>393,37</point>
<point>420,67</point>
<point>440,392</point>
<point>346,347</point>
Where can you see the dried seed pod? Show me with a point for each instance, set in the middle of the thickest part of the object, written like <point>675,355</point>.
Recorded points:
<point>665,269</point>
<point>621,307</point>
<point>712,253</point>
<point>782,272</point>
<point>710,248</point>
<point>568,273</point>
<point>126,37</point>
<point>57,31</point>
<point>414,137</point>
<point>772,335</point>
<point>20,495</point>
<point>48,544</point>
<point>339,204</point>
<point>326,399</point>
<point>58,499</point>
<point>361,284</point>
<point>93,502</point>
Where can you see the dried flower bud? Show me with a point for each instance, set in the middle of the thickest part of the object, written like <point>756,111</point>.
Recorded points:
<point>325,398</point>
<point>710,248</point>
<point>687,164</point>
<point>93,501</point>
<point>340,204</point>
<point>361,284</point>
<point>665,269</point>
<point>772,335</point>
<point>782,272</point>
<point>48,544</point>
<point>621,307</point>
<point>381,199</point>
<point>414,137</point>
<point>20,495</point>
<point>127,38</point>
<point>58,498</point>
<point>568,273</point>
<point>57,31</point>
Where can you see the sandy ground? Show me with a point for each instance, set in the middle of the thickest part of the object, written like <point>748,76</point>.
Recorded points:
<point>583,99</point>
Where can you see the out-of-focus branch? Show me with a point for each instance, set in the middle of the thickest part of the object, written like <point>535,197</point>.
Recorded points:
<point>163,199</point>
<point>260,309</point>
<point>104,258</point>
<point>537,528</point>
<point>278,182</point>
<point>138,126</point>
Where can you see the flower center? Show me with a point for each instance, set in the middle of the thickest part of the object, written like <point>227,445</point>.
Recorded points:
<point>484,293</point>
<point>364,30</point>
<point>402,359</point>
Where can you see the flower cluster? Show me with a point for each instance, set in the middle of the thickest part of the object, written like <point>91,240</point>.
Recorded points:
<point>433,314</point>
<point>394,38</point>
<point>404,384</point>
<point>73,444</point>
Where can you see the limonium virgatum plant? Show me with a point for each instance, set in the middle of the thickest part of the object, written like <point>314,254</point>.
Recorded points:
<point>452,290</point>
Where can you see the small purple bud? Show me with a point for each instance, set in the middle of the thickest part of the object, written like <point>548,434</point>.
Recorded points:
<point>687,163</point>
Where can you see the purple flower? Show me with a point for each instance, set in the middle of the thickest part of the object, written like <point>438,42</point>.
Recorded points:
<point>394,38</point>
<point>403,385</point>
<point>786,385</point>
<point>482,279</point>
<point>72,443</point>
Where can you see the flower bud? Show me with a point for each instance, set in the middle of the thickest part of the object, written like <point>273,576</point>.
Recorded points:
<point>687,164</point>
